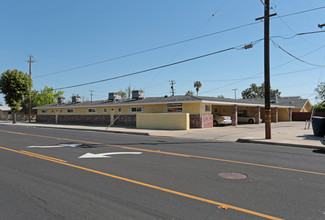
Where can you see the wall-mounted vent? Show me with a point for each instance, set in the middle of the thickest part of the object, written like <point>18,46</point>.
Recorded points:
<point>61,100</point>
<point>113,96</point>
<point>274,99</point>
<point>137,94</point>
<point>76,99</point>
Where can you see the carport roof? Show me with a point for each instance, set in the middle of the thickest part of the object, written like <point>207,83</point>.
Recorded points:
<point>293,102</point>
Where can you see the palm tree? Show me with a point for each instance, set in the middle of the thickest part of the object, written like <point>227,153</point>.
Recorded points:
<point>197,85</point>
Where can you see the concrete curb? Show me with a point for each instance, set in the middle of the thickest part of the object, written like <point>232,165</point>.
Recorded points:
<point>86,129</point>
<point>240,140</point>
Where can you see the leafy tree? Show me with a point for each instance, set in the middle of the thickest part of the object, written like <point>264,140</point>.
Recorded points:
<point>197,86</point>
<point>321,92</point>
<point>15,85</point>
<point>256,91</point>
<point>46,96</point>
<point>189,93</point>
<point>122,94</point>
<point>220,97</point>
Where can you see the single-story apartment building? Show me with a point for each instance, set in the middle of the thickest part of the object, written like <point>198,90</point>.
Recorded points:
<point>156,112</point>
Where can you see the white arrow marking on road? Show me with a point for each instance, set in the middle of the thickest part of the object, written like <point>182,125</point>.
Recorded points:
<point>60,145</point>
<point>106,155</point>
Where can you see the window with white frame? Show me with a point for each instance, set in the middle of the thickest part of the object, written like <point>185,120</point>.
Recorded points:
<point>119,109</point>
<point>207,108</point>
<point>92,110</point>
<point>70,110</point>
<point>136,109</point>
<point>44,111</point>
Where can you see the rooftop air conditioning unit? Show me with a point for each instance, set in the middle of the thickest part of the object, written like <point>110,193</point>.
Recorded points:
<point>274,99</point>
<point>113,96</point>
<point>137,94</point>
<point>76,99</point>
<point>61,100</point>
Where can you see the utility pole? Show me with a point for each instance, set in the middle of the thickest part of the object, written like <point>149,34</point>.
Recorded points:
<point>91,94</point>
<point>30,61</point>
<point>172,82</point>
<point>235,90</point>
<point>267,67</point>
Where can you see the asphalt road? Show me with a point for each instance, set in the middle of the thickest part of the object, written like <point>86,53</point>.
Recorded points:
<point>42,177</point>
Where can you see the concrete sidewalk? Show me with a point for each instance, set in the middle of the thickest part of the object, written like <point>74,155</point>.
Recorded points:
<point>283,133</point>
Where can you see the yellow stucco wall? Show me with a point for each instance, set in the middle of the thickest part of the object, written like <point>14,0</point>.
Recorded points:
<point>179,121</point>
<point>283,114</point>
<point>221,109</point>
<point>192,108</point>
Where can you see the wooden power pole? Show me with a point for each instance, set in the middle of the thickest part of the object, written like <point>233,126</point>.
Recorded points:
<point>30,61</point>
<point>267,67</point>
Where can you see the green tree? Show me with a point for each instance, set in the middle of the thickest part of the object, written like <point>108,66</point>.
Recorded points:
<point>320,92</point>
<point>256,91</point>
<point>15,85</point>
<point>197,86</point>
<point>122,94</point>
<point>45,96</point>
<point>220,97</point>
<point>189,93</point>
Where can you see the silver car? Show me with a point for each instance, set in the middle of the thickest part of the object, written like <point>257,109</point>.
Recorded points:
<point>247,119</point>
<point>221,120</point>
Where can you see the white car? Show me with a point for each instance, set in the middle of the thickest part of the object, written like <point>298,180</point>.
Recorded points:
<point>246,119</point>
<point>221,120</point>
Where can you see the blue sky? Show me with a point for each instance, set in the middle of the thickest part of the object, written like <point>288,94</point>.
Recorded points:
<point>68,34</point>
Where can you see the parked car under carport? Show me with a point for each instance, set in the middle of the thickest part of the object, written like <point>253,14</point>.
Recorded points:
<point>246,119</point>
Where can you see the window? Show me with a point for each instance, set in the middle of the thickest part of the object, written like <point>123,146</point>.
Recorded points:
<point>105,109</point>
<point>52,111</point>
<point>60,110</point>
<point>92,110</point>
<point>119,110</point>
<point>70,110</point>
<point>207,108</point>
<point>44,111</point>
<point>136,109</point>
<point>175,107</point>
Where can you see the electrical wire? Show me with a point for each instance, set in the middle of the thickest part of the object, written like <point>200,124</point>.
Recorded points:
<point>171,44</point>
<point>155,68</point>
<point>253,76</point>
<point>148,50</point>
<point>299,12</point>
<point>290,54</point>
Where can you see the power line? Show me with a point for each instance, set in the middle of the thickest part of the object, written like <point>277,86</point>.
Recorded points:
<point>299,34</point>
<point>290,54</point>
<point>253,76</point>
<point>148,50</point>
<point>300,12</point>
<point>171,44</point>
<point>151,69</point>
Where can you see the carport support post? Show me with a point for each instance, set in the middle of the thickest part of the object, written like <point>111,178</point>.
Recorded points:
<point>290,114</point>
<point>234,112</point>
<point>257,114</point>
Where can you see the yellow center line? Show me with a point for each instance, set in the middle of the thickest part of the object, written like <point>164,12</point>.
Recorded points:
<point>171,153</point>
<point>223,205</point>
<point>43,156</point>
